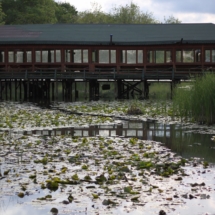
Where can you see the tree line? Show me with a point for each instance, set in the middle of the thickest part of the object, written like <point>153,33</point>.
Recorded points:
<point>14,12</point>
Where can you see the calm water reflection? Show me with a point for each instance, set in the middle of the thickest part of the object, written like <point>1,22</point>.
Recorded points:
<point>178,139</point>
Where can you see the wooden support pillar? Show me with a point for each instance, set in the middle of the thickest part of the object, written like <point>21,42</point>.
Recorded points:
<point>56,90</point>
<point>53,91</point>
<point>119,130</point>
<point>70,95</point>
<point>146,89</point>
<point>6,89</point>
<point>42,89</point>
<point>28,89</point>
<point>47,89</point>
<point>64,89</point>
<point>143,89</point>
<point>10,87</point>
<point>15,89</point>
<point>0,89</point>
<point>116,89</point>
<point>20,89</point>
<point>85,90</point>
<point>93,90</point>
<point>76,92</point>
<point>119,89</point>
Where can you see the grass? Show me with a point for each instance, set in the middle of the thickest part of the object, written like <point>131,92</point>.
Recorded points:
<point>196,100</point>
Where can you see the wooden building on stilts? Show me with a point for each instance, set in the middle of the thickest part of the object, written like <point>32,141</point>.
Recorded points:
<point>38,58</point>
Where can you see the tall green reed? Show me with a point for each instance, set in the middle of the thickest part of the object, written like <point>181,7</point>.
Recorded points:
<point>196,100</point>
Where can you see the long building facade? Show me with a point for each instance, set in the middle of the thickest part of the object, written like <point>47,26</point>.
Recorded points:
<point>102,51</point>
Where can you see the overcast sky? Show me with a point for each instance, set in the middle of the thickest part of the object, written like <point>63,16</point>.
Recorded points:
<point>188,11</point>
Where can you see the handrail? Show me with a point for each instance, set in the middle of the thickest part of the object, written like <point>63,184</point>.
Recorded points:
<point>73,73</point>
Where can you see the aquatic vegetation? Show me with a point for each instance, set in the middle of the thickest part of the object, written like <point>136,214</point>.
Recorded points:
<point>196,100</point>
<point>75,177</point>
<point>45,197</point>
<point>52,185</point>
<point>20,195</point>
<point>107,170</point>
<point>54,211</point>
<point>85,167</point>
<point>44,161</point>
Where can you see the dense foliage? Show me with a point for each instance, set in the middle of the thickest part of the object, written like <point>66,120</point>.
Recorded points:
<point>2,15</point>
<point>48,11</point>
<point>197,99</point>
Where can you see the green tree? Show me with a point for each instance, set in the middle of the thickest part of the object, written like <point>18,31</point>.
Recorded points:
<point>29,11</point>
<point>171,20</point>
<point>131,14</point>
<point>94,15</point>
<point>65,13</point>
<point>2,15</point>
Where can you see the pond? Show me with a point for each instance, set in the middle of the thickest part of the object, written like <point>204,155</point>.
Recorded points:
<point>193,195</point>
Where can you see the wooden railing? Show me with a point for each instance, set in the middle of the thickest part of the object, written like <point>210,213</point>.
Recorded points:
<point>56,74</point>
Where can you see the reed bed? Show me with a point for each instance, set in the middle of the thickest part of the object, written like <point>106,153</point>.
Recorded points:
<point>196,100</point>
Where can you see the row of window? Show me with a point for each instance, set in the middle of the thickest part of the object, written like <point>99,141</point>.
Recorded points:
<point>108,56</point>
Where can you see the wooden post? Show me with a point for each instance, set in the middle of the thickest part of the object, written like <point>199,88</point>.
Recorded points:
<point>6,89</point>
<point>116,89</point>
<point>20,89</point>
<point>64,89</point>
<point>15,89</point>
<point>85,89</point>
<point>56,90</point>
<point>0,89</point>
<point>10,88</point>
<point>53,91</point>
<point>28,89</point>
<point>119,130</point>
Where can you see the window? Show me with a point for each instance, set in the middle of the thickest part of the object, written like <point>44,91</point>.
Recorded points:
<point>210,55</point>
<point>85,56</point>
<point>47,56</point>
<point>188,56</point>
<point>123,56</point>
<point>76,56</point>
<point>28,56</point>
<point>178,56</point>
<point>38,56</point>
<point>103,56</point>
<point>168,57</point>
<point>107,56</point>
<point>1,56</point>
<point>131,56</point>
<point>207,55</point>
<point>159,56</point>
<point>140,56</point>
<point>213,55</point>
<point>20,56</point>
<point>11,56</point>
